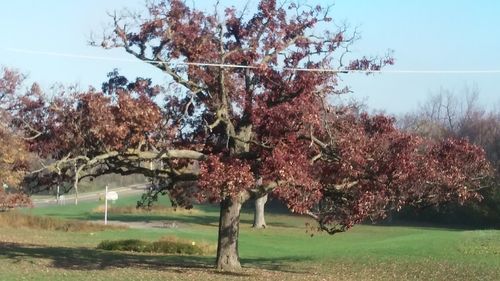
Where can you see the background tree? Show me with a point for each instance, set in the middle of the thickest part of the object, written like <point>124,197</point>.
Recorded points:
<point>243,132</point>
<point>13,154</point>
<point>459,115</point>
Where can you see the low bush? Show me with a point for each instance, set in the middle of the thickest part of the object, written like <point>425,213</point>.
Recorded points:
<point>131,245</point>
<point>18,220</point>
<point>166,245</point>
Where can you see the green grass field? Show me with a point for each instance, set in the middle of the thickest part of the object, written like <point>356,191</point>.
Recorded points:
<point>283,251</point>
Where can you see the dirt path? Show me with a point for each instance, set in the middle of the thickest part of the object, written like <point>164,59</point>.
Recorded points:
<point>69,198</point>
<point>145,224</point>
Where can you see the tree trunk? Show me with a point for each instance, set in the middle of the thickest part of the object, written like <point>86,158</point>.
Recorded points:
<point>259,220</point>
<point>75,182</point>
<point>76,192</point>
<point>228,258</point>
<point>229,226</point>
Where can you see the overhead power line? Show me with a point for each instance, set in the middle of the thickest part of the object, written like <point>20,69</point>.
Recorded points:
<point>331,70</point>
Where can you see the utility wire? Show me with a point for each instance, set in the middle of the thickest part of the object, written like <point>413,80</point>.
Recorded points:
<point>331,70</point>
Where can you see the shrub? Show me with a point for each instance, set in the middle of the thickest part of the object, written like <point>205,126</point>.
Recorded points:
<point>166,245</point>
<point>132,245</point>
<point>11,200</point>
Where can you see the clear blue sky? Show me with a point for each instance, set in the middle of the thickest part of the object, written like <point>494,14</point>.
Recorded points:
<point>425,35</point>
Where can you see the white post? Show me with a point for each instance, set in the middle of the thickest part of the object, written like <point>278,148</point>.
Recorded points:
<point>106,206</point>
<point>57,195</point>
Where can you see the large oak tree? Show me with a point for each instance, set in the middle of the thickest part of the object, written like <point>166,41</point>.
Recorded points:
<point>227,134</point>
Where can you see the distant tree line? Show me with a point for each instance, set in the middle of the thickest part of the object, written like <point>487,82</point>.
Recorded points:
<point>459,115</point>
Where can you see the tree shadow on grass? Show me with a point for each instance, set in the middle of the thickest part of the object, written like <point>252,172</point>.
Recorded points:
<point>91,259</point>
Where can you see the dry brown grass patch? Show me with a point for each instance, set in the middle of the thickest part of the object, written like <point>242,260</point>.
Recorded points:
<point>18,220</point>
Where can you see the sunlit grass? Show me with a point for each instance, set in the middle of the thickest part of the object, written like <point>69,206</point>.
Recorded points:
<point>283,251</point>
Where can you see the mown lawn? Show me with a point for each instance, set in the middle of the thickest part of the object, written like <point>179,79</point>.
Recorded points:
<point>283,251</point>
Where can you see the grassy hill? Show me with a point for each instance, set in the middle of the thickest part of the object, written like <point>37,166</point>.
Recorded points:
<point>286,250</point>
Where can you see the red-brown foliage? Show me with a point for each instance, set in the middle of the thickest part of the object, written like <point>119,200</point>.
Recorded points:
<point>256,129</point>
<point>13,153</point>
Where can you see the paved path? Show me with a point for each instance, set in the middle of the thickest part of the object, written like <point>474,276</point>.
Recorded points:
<point>91,196</point>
